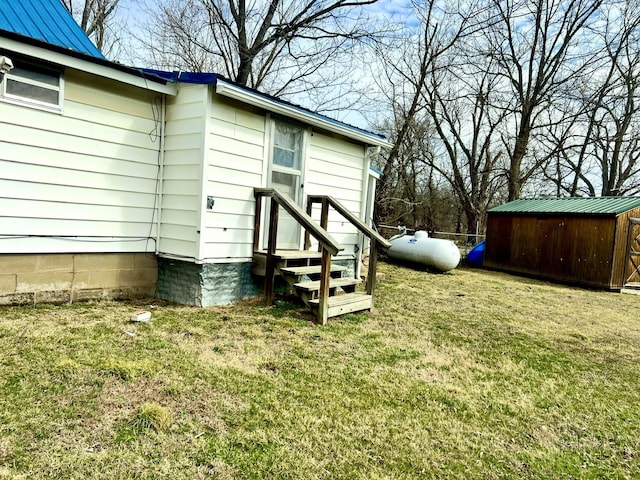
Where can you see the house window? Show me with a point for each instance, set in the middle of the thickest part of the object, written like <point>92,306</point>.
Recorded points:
<point>34,85</point>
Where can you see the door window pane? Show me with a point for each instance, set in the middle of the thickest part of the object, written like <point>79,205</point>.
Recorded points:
<point>283,179</point>
<point>287,145</point>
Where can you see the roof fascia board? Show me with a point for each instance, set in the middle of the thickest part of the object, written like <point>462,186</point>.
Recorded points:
<point>94,68</point>
<point>232,91</point>
<point>553,214</point>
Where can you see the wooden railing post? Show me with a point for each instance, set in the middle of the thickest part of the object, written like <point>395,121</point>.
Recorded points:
<point>373,263</point>
<point>271,251</point>
<point>324,217</point>
<point>302,218</point>
<point>323,294</point>
<point>307,234</point>
<point>256,221</point>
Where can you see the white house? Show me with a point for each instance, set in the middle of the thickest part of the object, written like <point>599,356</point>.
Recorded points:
<point>117,181</point>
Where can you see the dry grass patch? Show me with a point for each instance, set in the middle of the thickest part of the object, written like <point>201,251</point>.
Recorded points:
<point>471,374</point>
<point>152,416</point>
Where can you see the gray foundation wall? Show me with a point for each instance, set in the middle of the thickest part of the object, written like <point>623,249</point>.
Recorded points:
<point>205,285</point>
<point>209,284</point>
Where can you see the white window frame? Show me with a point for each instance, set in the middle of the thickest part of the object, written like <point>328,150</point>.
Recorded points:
<point>28,101</point>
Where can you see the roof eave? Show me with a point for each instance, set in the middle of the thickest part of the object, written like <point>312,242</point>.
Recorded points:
<point>83,62</point>
<point>237,93</point>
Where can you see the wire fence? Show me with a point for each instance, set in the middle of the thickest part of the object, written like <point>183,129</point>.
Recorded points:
<point>464,241</point>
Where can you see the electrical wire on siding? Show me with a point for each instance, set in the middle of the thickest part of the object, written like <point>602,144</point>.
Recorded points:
<point>79,238</point>
<point>155,135</point>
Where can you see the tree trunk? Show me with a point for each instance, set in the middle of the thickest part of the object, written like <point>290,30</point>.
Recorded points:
<point>244,70</point>
<point>515,165</point>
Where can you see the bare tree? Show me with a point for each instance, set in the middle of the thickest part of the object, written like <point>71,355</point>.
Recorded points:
<point>407,74</point>
<point>540,47</point>
<point>461,107</point>
<point>95,18</point>
<point>449,93</point>
<point>564,170</point>
<point>282,47</point>
<point>614,120</point>
<point>595,137</point>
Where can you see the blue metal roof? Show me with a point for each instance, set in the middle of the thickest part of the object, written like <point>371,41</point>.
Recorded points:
<point>185,77</point>
<point>47,21</point>
<point>570,205</point>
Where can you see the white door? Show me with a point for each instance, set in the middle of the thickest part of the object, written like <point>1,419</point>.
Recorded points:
<point>285,174</point>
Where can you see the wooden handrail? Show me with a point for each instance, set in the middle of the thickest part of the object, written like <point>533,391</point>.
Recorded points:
<point>300,216</point>
<point>326,243</point>
<point>364,228</point>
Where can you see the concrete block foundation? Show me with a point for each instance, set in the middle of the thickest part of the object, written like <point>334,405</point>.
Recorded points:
<point>65,278</point>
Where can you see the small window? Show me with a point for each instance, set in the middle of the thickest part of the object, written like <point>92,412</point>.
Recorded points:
<point>32,84</point>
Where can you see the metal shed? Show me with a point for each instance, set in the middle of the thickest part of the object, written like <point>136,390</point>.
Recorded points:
<point>591,241</point>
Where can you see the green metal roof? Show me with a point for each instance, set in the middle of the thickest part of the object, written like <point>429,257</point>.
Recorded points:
<point>572,205</point>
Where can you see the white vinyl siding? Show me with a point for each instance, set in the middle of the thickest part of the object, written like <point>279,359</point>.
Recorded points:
<point>229,153</point>
<point>336,168</point>
<point>235,161</point>
<point>83,181</point>
<point>182,172</point>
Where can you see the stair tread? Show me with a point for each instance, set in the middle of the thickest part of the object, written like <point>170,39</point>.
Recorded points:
<point>342,304</point>
<point>334,282</point>
<point>314,285</point>
<point>345,299</point>
<point>309,270</point>
<point>291,254</point>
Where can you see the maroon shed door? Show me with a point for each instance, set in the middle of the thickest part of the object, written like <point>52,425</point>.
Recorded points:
<point>632,271</point>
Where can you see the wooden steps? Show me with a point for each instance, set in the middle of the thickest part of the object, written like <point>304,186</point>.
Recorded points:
<point>310,270</point>
<point>314,286</point>
<point>322,279</point>
<point>342,304</point>
<point>310,290</point>
<point>292,254</point>
<point>284,258</point>
<point>302,270</point>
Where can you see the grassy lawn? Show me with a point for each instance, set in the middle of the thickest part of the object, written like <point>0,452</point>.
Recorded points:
<point>471,374</point>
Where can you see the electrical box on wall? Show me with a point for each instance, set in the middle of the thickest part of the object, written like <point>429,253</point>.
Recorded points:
<point>210,202</point>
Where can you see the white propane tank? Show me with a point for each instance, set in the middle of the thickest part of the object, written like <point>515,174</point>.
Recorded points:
<point>435,253</point>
